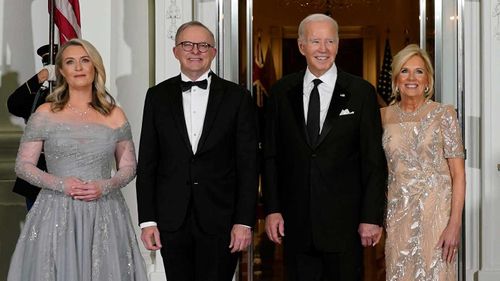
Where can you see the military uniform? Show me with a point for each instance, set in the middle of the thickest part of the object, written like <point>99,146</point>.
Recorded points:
<point>21,103</point>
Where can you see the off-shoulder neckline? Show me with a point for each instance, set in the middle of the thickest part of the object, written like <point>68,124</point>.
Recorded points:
<point>83,123</point>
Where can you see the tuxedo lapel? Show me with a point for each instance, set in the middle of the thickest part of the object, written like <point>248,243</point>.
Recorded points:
<point>296,98</point>
<point>177,109</point>
<point>215,96</point>
<point>339,100</point>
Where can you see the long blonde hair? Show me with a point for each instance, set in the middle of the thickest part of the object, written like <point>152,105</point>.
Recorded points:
<point>102,101</point>
<point>401,58</point>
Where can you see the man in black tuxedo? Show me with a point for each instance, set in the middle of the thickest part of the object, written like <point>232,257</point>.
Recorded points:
<point>197,173</point>
<point>325,170</point>
<point>25,100</point>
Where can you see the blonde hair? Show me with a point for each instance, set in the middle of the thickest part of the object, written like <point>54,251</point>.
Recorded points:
<point>102,101</point>
<point>401,58</point>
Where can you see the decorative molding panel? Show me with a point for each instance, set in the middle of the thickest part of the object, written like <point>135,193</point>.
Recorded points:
<point>169,14</point>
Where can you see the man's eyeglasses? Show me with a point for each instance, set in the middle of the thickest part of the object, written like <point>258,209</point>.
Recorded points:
<point>188,46</point>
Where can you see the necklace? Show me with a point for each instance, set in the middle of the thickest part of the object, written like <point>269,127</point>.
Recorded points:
<point>409,123</point>
<point>414,113</point>
<point>82,114</point>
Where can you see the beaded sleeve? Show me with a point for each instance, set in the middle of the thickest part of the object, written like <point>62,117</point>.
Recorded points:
<point>30,148</point>
<point>452,135</point>
<point>125,161</point>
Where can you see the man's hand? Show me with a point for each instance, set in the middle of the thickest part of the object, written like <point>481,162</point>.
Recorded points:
<point>150,237</point>
<point>370,234</point>
<point>241,237</point>
<point>275,227</point>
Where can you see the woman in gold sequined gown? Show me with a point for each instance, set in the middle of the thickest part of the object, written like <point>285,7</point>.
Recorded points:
<point>426,185</point>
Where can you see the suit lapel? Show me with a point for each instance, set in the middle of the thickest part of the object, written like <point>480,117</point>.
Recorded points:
<point>339,100</point>
<point>296,97</point>
<point>215,96</point>
<point>177,109</point>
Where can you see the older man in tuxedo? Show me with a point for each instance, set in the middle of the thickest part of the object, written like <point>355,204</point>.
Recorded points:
<point>197,172</point>
<point>325,170</point>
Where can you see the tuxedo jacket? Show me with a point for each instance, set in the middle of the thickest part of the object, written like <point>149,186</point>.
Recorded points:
<point>324,190</point>
<point>219,182</point>
<point>20,103</point>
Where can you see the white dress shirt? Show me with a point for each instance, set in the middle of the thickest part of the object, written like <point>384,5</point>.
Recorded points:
<point>195,102</point>
<point>325,89</point>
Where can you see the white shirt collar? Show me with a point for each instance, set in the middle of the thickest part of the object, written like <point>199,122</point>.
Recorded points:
<point>329,77</point>
<point>205,75</point>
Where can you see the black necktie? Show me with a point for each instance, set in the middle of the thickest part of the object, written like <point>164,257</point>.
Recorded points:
<point>313,113</point>
<point>186,85</point>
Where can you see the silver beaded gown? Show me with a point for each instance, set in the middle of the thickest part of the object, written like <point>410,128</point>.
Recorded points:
<point>66,239</point>
<point>417,146</point>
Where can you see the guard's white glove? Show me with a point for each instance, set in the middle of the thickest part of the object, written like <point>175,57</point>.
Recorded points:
<point>52,72</point>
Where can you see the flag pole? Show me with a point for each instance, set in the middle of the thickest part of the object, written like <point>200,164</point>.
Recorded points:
<point>51,38</point>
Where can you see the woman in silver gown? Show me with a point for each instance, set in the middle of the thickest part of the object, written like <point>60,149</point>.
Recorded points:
<point>79,227</point>
<point>425,156</point>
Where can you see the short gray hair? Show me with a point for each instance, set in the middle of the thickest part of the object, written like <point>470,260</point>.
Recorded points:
<point>317,18</point>
<point>189,24</point>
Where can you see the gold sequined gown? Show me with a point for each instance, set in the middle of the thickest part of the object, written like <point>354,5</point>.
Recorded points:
<point>419,189</point>
<point>66,239</point>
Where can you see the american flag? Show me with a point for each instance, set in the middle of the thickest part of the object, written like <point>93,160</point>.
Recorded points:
<point>384,88</point>
<point>67,19</point>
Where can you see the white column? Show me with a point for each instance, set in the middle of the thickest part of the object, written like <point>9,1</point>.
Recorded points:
<point>119,30</point>
<point>472,137</point>
<point>490,127</point>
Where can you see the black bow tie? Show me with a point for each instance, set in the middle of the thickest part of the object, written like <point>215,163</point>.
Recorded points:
<point>186,85</point>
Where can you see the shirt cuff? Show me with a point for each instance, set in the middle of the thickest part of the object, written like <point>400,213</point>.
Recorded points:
<point>244,225</point>
<point>147,224</point>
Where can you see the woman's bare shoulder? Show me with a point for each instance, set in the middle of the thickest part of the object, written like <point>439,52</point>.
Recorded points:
<point>117,117</point>
<point>45,107</point>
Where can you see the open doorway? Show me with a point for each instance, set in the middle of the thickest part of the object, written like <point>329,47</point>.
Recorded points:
<point>366,29</point>
<point>253,33</point>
